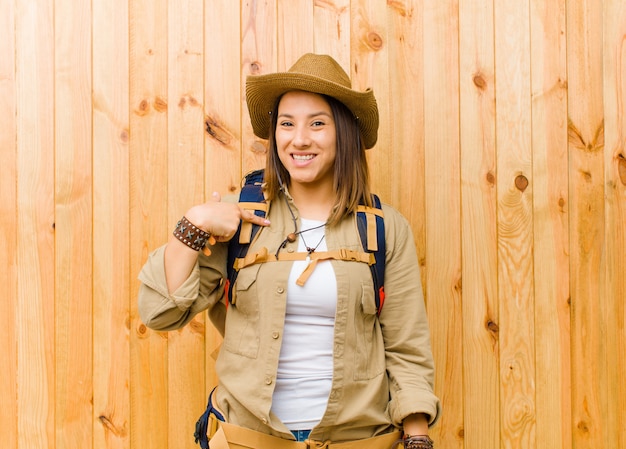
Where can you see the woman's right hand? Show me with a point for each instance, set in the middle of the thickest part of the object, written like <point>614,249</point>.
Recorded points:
<point>219,219</point>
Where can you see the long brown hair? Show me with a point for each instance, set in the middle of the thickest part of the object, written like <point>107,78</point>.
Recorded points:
<point>351,172</point>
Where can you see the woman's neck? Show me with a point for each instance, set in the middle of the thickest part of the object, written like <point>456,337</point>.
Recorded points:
<point>313,203</point>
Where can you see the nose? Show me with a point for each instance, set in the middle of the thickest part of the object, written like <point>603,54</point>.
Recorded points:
<point>301,138</point>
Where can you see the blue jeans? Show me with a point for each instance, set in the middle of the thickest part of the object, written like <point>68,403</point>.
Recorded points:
<point>301,435</point>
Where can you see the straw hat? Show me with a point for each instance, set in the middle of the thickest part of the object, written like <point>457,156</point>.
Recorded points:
<point>319,74</point>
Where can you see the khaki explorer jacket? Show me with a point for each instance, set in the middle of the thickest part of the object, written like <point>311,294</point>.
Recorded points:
<point>383,365</point>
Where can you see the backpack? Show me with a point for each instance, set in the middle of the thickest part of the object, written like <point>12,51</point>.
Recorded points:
<point>370,224</point>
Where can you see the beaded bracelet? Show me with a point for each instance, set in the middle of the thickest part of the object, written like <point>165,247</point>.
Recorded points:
<point>191,235</point>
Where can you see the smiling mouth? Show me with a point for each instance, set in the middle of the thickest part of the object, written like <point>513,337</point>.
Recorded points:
<point>303,157</point>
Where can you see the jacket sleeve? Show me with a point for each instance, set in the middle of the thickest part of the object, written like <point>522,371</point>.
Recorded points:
<point>405,329</point>
<point>202,290</point>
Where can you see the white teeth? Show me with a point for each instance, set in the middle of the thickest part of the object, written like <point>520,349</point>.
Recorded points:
<point>303,157</point>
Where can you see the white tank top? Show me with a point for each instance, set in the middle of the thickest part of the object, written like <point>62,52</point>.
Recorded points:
<point>305,366</point>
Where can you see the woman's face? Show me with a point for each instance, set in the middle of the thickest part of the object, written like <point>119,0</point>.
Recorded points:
<point>306,139</point>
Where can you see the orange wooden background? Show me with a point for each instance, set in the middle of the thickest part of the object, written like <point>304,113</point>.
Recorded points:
<point>502,139</point>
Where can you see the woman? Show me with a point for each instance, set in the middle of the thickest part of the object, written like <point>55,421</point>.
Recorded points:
<point>305,357</point>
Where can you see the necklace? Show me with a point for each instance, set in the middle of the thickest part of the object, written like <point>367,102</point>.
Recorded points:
<point>294,235</point>
<point>308,248</point>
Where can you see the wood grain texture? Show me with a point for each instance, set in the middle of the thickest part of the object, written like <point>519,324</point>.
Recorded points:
<point>73,221</point>
<point>515,224</point>
<point>613,287</point>
<point>150,227</point>
<point>223,121</point>
<point>34,314</point>
<point>586,222</point>
<point>550,227</point>
<point>258,56</point>
<point>481,321</point>
<point>443,217</point>
<point>502,141</point>
<point>332,27</point>
<point>111,222</point>
<point>8,225</point>
<point>406,94</point>
<point>185,189</point>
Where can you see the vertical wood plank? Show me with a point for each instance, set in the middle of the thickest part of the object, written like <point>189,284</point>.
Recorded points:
<point>111,224</point>
<point>332,30</point>
<point>613,287</point>
<point>370,70</point>
<point>294,23</point>
<point>186,370</point>
<point>550,227</point>
<point>515,224</point>
<point>8,226</point>
<point>443,244</point>
<point>222,98</point>
<point>258,56</point>
<point>406,100</point>
<point>35,224</point>
<point>586,224</point>
<point>148,212</point>
<point>73,249</point>
<point>223,128</point>
<point>479,235</point>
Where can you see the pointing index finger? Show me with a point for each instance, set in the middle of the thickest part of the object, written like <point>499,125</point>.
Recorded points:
<point>248,216</point>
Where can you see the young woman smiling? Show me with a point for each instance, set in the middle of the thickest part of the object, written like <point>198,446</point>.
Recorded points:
<point>307,361</point>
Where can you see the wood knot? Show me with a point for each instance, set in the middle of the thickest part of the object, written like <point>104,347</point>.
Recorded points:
<point>109,426</point>
<point>492,327</point>
<point>491,178</point>
<point>188,100</point>
<point>144,108</point>
<point>160,105</point>
<point>258,147</point>
<point>521,182</point>
<point>255,68</point>
<point>214,129</point>
<point>479,81</point>
<point>374,40</point>
<point>621,168</point>
<point>142,329</point>
<point>124,136</point>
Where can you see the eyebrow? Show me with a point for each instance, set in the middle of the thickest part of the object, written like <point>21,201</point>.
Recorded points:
<point>315,114</point>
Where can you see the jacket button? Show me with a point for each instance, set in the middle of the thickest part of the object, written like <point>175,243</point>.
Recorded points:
<point>275,335</point>
<point>280,290</point>
<point>268,381</point>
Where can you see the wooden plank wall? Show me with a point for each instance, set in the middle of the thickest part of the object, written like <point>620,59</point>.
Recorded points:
<point>502,140</point>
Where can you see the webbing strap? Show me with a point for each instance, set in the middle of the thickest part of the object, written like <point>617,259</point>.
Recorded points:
<point>263,256</point>
<point>371,224</point>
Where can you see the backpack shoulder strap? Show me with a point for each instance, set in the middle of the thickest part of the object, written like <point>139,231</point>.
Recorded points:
<point>250,198</point>
<point>371,225</point>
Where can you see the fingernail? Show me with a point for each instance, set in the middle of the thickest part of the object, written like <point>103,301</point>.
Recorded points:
<point>266,221</point>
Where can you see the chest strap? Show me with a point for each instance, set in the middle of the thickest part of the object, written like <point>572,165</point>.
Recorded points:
<point>263,256</point>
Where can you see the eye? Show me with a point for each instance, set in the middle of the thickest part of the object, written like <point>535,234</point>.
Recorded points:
<point>286,124</point>
<point>318,123</point>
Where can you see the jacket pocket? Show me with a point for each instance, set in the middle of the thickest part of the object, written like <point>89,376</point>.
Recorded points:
<point>242,334</point>
<point>369,353</point>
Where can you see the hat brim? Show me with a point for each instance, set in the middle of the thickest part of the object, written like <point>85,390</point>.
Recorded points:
<point>262,91</point>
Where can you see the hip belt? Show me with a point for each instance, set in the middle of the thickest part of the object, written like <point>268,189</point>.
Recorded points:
<point>229,436</point>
